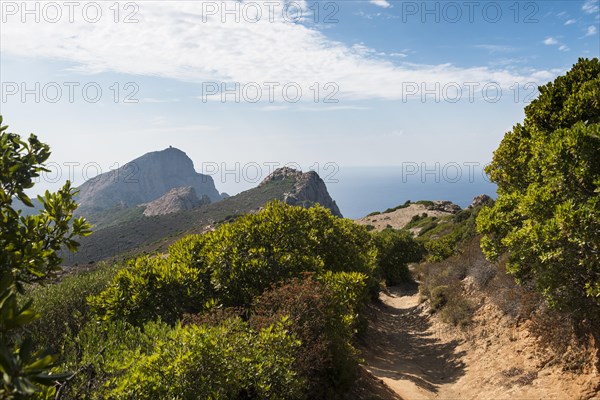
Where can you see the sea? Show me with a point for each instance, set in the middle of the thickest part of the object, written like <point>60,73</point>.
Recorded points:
<point>359,191</point>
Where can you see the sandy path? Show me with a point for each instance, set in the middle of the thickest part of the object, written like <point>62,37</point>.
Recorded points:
<point>404,351</point>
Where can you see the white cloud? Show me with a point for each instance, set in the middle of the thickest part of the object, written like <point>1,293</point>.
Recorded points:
<point>591,31</point>
<point>175,40</point>
<point>570,22</point>
<point>564,47</point>
<point>380,3</point>
<point>550,41</point>
<point>494,48</point>
<point>591,6</point>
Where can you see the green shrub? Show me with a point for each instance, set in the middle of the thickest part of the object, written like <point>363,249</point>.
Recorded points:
<point>325,357</point>
<point>457,311</point>
<point>149,288</point>
<point>281,242</point>
<point>395,250</point>
<point>439,297</point>
<point>350,292</point>
<point>238,262</point>
<point>405,205</point>
<point>429,226</point>
<point>187,251</point>
<point>547,215</point>
<point>442,248</point>
<point>229,361</point>
<point>63,306</point>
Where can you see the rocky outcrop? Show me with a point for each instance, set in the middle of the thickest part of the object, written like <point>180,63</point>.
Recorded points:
<point>143,180</point>
<point>445,206</point>
<point>308,189</point>
<point>176,200</point>
<point>481,200</point>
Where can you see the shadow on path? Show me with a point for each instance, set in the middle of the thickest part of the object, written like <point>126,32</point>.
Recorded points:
<point>400,344</point>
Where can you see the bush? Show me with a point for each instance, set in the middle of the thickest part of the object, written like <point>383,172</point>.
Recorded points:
<point>426,228</point>
<point>325,357</point>
<point>281,242</point>
<point>457,310</point>
<point>442,248</point>
<point>229,361</point>
<point>547,216</point>
<point>63,306</point>
<point>395,250</point>
<point>439,297</point>
<point>237,262</point>
<point>149,288</point>
<point>405,205</point>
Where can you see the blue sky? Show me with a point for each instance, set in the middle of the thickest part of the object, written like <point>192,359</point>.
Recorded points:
<point>365,62</point>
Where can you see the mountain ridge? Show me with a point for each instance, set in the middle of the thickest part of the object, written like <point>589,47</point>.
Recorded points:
<point>143,180</point>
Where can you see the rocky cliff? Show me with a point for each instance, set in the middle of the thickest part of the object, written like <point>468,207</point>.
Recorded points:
<point>143,180</point>
<point>176,200</point>
<point>308,189</point>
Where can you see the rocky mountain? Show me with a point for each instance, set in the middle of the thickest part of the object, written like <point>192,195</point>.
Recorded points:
<point>143,180</point>
<point>132,231</point>
<point>481,200</point>
<point>308,189</point>
<point>176,200</point>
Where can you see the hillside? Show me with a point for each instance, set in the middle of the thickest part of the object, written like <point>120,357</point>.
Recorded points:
<point>400,216</point>
<point>464,329</point>
<point>127,231</point>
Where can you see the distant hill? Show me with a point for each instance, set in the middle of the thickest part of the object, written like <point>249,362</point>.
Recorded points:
<point>141,181</point>
<point>402,215</point>
<point>127,231</point>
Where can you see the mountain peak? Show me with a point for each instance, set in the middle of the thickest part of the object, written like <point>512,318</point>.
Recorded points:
<point>143,180</point>
<point>308,189</point>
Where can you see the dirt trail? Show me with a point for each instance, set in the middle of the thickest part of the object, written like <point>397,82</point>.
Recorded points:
<point>418,357</point>
<point>404,351</point>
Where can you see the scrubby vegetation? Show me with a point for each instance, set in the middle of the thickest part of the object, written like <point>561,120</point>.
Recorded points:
<point>128,339</point>
<point>396,249</point>
<point>547,216</point>
<point>267,306</point>
<point>29,248</point>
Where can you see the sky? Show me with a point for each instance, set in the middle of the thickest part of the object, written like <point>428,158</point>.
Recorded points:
<point>314,84</point>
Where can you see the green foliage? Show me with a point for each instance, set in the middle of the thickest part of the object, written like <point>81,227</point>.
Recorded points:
<point>151,287</point>
<point>405,205</point>
<point>395,250</point>
<point>547,216</point>
<point>325,358</point>
<point>442,248</point>
<point>458,311</point>
<point>28,253</point>
<point>426,203</point>
<point>439,297</point>
<point>446,237</point>
<point>281,242</point>
<point>63,306</point>
<point>350,292</point>
<point>229,361</point>
<point>237,262</point>
<point>237,265</point>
